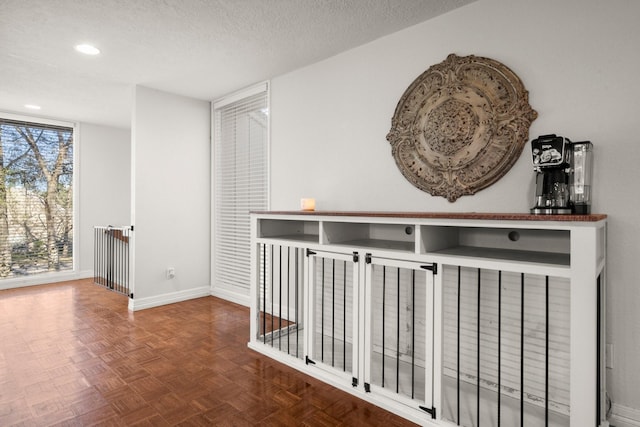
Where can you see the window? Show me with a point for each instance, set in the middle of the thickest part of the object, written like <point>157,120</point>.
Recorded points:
<point>36,198</point>
<point>240,174</point>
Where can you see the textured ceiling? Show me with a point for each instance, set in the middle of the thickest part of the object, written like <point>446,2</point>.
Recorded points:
<point>199,48</point>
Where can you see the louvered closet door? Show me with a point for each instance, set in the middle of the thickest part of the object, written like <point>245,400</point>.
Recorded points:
<point>333,283</point>
<point>398,347</point>
<point>506,348</point>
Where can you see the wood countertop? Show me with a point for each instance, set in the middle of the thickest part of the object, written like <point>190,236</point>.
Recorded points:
<point>445,215</point>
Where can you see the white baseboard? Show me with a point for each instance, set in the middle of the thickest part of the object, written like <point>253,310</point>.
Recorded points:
<point>234,297</point>
<point>44,279</point>
<point>622,416</point>
<point>169,298</point>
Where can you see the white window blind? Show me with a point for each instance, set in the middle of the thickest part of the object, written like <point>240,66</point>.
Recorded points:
<point>36,197</point>
<point>241,129</point>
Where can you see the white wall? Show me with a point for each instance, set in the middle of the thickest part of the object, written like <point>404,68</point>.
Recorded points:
<point>579,61</point>
<point>170,197</point>
<point>104,184</point>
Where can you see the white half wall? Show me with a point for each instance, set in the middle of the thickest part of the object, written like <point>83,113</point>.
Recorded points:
<point>170,197</point>
<point>579,61</point>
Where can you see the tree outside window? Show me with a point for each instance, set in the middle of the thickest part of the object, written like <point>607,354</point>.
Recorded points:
<point>36,198</point>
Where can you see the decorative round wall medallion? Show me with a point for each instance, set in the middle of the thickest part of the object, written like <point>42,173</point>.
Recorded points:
<point>460,126</point>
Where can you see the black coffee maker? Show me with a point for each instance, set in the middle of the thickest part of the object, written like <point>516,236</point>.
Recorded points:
<point>563,175</point>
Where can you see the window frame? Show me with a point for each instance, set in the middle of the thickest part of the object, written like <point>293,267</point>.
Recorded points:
<point>54,276</point>
<point>262,87</point>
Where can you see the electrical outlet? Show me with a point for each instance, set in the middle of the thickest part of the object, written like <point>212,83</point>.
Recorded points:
<point>608,357</point>
<point>171,273</point>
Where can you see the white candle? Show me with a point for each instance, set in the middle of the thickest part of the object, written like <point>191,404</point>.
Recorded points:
<point>308,204</point>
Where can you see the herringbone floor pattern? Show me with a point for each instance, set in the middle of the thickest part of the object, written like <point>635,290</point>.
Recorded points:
<point>72,355</point>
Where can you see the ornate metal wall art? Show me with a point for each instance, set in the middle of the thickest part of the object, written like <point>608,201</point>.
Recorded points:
<point>460,126</point>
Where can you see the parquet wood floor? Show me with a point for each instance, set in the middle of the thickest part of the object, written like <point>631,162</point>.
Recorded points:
<point>71,354</point>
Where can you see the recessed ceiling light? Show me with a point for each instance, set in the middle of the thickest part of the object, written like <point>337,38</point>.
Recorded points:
<point>87,49</point>
<point>32,106</point>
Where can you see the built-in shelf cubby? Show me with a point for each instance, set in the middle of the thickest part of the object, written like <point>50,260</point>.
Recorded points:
<point>293,230</point>
<point>397,237</point>
<point>513,244</point>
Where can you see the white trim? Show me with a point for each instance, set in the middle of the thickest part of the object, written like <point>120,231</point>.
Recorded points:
<point>168,298</point>
<point>623,416</point>
<point>241,94</point>
<point>44,279</point>
<point>268,149</point>
<point>38,120</point>
<point>132,196</point>
<point>75,221</point>
<point>231,296</point>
